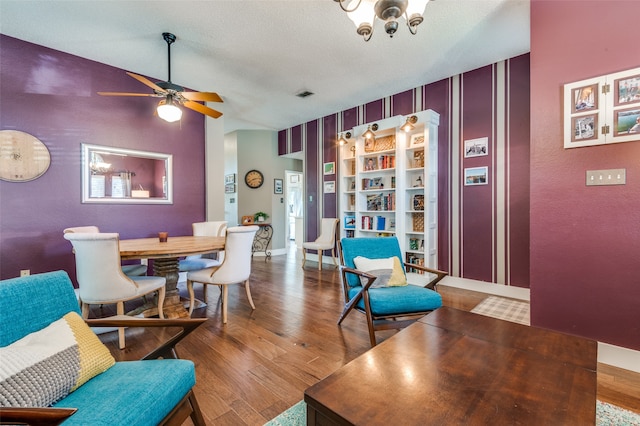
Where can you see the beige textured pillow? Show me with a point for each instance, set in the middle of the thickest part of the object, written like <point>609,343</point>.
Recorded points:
<point>45,366</point>
<point>388,271</point>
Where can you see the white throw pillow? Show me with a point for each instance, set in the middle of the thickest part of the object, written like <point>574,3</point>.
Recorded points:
<point>388,271</point>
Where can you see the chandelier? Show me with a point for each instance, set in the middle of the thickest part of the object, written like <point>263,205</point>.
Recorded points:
<point>363,13</point>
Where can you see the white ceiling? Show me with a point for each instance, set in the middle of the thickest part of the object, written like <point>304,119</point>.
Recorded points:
<point>259,54</point>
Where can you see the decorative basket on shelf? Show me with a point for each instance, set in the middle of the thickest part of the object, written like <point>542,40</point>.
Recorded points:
<point>385,143</point>
<point>418,222</point>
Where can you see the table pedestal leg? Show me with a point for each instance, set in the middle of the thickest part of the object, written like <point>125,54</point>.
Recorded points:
<point>173,307</point>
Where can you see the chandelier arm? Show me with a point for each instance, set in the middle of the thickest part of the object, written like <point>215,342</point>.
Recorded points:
<point>373,26</point>
<point>413,29</point>
<point>346,9</point>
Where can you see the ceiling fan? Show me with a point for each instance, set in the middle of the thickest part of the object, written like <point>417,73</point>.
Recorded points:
<point>173,94</point>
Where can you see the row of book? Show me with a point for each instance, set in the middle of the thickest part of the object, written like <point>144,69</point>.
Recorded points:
<point>415,260</point>
<point>374,223</point>
<point>381,202</point>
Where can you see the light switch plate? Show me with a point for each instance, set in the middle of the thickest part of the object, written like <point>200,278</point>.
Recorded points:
<point>606,177</point>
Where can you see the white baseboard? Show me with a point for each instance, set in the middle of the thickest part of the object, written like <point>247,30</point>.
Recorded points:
<point>486,287</point>
<point>619,357</point>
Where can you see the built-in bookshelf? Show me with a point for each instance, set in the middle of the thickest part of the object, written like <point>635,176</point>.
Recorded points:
<point>389,185</point>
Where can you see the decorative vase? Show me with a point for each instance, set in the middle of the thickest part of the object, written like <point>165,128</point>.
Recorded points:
<point>261,219</point>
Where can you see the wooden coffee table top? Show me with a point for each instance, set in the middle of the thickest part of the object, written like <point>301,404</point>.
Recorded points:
<point>455,367</point>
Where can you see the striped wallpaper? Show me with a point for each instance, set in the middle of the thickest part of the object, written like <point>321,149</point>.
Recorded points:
<point>484,229</point>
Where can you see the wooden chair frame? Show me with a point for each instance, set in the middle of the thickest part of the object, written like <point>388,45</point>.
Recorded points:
<point>382,322</point>
<point>188,407</point>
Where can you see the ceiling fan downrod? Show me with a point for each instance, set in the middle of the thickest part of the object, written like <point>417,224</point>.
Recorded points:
<point>169,38</point>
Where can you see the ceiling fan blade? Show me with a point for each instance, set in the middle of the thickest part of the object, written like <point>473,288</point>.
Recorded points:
<point>202,96</point>
<point>127,94</point>
<point>147,82</point>
<point>202,109</point>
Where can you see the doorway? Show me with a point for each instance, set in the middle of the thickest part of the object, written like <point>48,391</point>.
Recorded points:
<point>294,232</point>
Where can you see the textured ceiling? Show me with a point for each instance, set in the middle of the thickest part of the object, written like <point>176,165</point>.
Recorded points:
<point>259,54</point>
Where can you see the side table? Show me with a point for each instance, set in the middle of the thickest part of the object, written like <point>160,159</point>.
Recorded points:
<point>262,239</point>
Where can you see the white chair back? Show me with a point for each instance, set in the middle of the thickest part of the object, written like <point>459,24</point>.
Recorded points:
<point>83,229</point>
<point>98,271</point>
<point>237,261</point>
<point>215,228</point>
<point>327,232</point>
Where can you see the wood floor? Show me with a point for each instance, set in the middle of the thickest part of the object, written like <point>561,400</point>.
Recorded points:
<point>261,361</point>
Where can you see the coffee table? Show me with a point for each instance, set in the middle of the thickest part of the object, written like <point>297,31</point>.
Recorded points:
<point>456,367</point>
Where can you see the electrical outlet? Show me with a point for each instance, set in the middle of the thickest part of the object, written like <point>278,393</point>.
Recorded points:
<point>606,177</point>
<point>25,272</point>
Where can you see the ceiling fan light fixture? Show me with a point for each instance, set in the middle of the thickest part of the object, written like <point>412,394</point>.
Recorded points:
<point>168,111</point>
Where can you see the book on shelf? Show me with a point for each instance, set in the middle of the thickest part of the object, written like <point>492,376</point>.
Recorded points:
<point>387,161</point>
<point>418,202</point>
<point>379,223</point>
<point>349,222</point>
<point>372,183</point>
<point>384,202</point>
<point>416,244</point>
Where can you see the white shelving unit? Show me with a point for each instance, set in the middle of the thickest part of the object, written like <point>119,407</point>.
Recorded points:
<point>390,187</point>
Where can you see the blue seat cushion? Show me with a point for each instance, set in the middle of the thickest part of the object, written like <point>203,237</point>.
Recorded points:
<point>399,300</point>
<point>188,265</point>
<point>131,393</point>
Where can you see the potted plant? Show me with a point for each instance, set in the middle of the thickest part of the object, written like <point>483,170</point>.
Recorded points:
<point>260,217</point>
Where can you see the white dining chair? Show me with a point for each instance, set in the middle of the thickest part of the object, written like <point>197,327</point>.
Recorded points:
<point>101,280</point>
<point>235,268</point>
<point>326,241</point>
<point>134,270</point>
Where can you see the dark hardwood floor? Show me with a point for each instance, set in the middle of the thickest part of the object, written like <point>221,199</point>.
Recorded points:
<point>261,361</point>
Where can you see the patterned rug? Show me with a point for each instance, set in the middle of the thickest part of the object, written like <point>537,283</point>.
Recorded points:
<point>504,309</point>
<point>508,310</point>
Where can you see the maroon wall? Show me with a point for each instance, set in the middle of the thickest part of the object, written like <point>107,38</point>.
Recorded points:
<point>52,95</point>
<point>585,241</point>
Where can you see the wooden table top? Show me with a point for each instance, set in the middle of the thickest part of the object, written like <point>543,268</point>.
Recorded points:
<point>152,248</point>
<point>455,367</point>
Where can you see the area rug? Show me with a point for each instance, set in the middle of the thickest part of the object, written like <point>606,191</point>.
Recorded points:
<point>294,416</point>
<point>606,415</point>
<point>504,309</point>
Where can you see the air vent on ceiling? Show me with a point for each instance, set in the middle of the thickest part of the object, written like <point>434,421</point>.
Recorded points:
<point>304,94</point>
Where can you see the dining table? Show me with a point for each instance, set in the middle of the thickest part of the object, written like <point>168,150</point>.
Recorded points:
<point>166,256</point>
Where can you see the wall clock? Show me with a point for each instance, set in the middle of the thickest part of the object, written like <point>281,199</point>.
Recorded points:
<point>254,179</point>
<point>23,157</point>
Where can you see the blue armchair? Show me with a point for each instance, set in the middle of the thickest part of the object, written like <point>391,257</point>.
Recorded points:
<point>55,370</point>
<point>383,303</point>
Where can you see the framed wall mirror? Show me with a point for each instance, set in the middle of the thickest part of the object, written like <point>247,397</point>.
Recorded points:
<point>126,176</point>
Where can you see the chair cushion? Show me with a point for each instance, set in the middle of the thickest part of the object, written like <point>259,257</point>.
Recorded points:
<point>131,393</point>
<point>188,265</point>
<point>399,300</point>
<point>135,270</point>
<point>47,365</point>
<point>388,271</point>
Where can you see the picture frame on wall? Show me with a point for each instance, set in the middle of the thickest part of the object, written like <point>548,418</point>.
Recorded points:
<point>278,186</point>
<point>330,187</point>
<point>585,128</point>
<point>231,178</point>
<point>627,90</point>
<point>627,121</point>
<point>230,188</point>
<point>584,98</point>
<point>476,176</point>
<point>330,168</point>
<point>476,147</point>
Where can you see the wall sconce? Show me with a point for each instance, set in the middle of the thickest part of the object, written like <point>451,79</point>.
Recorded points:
<point>409,124</point>
<point>342,140</point>
<point>369,133</point>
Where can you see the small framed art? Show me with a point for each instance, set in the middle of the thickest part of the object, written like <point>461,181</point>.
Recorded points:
<point>476,176</point>
<point>417,139</point>
<point>330,187</point>
<point>330,168</point>
<point>229,188</point>
<point>476,147</point>
<point>278,186</point>
<point>230,178</point>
